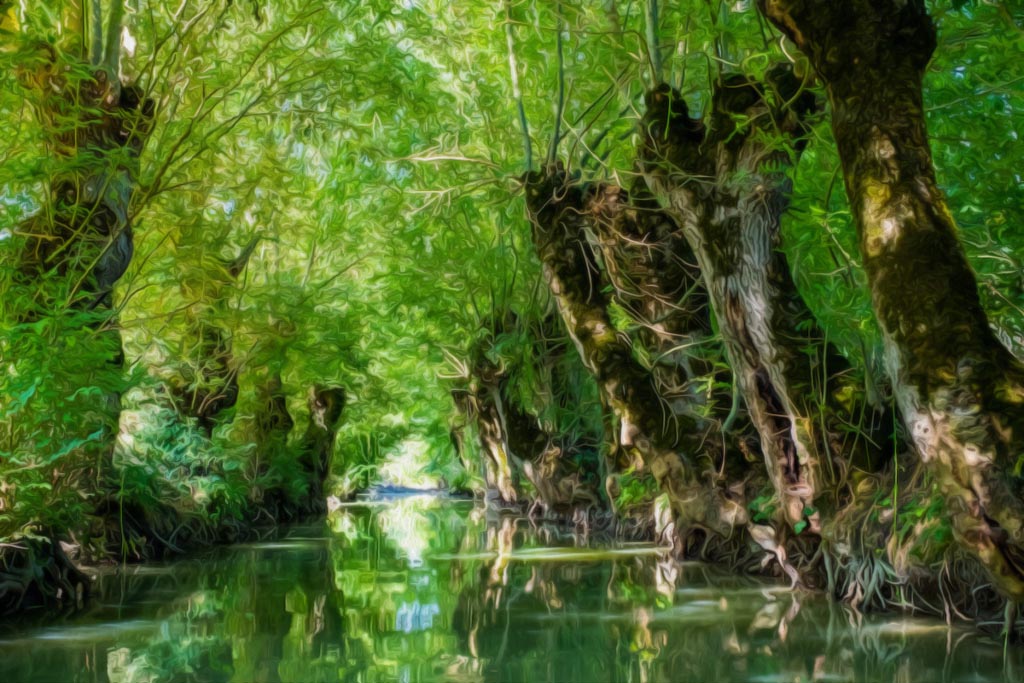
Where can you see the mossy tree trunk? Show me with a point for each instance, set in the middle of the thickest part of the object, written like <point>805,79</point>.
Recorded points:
<point>725,183</point>
<point>960,391</point>
<point>268,430</point>
<point>208,382</point>
<point>559,213</point>
<point>326,405</point>
<point>95,127</point>
<point>516,443</point>
<point>480,402</point>
<point>76,247</point>
<point>657,281</point>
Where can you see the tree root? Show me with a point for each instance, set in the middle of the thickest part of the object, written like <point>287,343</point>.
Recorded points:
<point>36,573</point>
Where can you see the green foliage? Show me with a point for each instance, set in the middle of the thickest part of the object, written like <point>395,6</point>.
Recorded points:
<point>763,508</point>
<point>635,490</point>
<point>373,149</point>
<point>56,420</point>
<point>161,460</point>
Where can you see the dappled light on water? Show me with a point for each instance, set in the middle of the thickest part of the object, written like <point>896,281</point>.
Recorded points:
<point>428,589</point>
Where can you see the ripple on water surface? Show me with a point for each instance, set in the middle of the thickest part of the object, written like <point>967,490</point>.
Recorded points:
<point>421,589</point>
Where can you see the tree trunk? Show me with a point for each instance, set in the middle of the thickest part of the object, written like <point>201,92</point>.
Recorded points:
<point>207,384</point>
<point>483,407</point>
<point>79,244</point>
<point>726,184</point>
<point>514,441</point>
<point>268,432</point>
<point>557,207</point>
<point>326,405</point>
<point>36,573</point>
<point>960,391</point>
<point>657,281</point>
<point>85,232</point>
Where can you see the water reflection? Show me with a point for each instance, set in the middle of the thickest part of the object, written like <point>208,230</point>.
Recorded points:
<point>423,589</point>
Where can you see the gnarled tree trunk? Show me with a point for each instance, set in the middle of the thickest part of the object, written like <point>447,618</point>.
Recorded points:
<point>557,207</point>
<point>208,383</point>
<point>268,430</point>
<point>960,391</point>
<point>80,243</point>
<point>656,279</point>
<point>480,403</point>
<point>36,573</point>
<point>514,441</point>
<point>85,233</point>
<point>726,185</point>
<point>326,405</point>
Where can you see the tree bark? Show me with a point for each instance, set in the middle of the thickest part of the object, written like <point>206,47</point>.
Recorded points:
<point>326,405</point>
<point>85,233</point>
<point>960,391</point>
<point>268,431</point>
<point>479,402</point>
<point>725,183</point>
<point>656,280</point>
<point>515,442</point>
<point>79,244</point>
<point>207,383</point>
<point>557,207</point>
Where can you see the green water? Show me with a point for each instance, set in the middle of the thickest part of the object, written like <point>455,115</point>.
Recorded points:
<point>423,589</point>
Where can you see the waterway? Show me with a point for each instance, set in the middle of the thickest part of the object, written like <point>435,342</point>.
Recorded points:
<point>429,589</point>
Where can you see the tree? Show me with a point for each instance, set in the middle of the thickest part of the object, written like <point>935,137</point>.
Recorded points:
<point>107,173</point>
<point>960,391</point>
<point>64,257</point>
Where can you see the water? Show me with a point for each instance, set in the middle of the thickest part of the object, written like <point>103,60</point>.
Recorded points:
<point>423,589</point>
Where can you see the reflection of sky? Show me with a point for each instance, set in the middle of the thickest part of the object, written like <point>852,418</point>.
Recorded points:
<point>408,526</point>
<point>415,617</point>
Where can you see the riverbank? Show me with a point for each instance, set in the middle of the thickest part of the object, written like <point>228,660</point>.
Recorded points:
<point>52,574</point>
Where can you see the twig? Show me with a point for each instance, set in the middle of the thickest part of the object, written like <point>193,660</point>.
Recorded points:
<point>560,103</point>
<point>517,93</point>
<point>653,48</point>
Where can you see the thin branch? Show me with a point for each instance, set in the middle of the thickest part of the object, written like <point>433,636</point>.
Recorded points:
<point>560,103</point>
<point>432,157</point>
<point>322,285</point>
<point>998,88</point>
<point>684,51</point>
<point>517,93</point>
<point>236,266</point>
<point>95,32</point>
<point>212,100</point>
<point>112,54</point>
<point>653,47</point>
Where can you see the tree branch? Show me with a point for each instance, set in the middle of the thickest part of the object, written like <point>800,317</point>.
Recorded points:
<point>653,48</point>
<point>236,266</point>
<point>517,93</point>
<point>560,103</point>
<point>112,54</point>
<point>95,33</point>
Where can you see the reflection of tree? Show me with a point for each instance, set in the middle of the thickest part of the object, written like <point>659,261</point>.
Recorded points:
<point>494,599</point>
<point>311,650</point>
<point>400,603</point>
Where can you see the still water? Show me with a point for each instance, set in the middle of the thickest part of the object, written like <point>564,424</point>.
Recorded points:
<point>425,589</point>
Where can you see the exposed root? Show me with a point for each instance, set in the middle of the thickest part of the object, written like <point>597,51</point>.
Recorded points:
<point>36,573</point>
